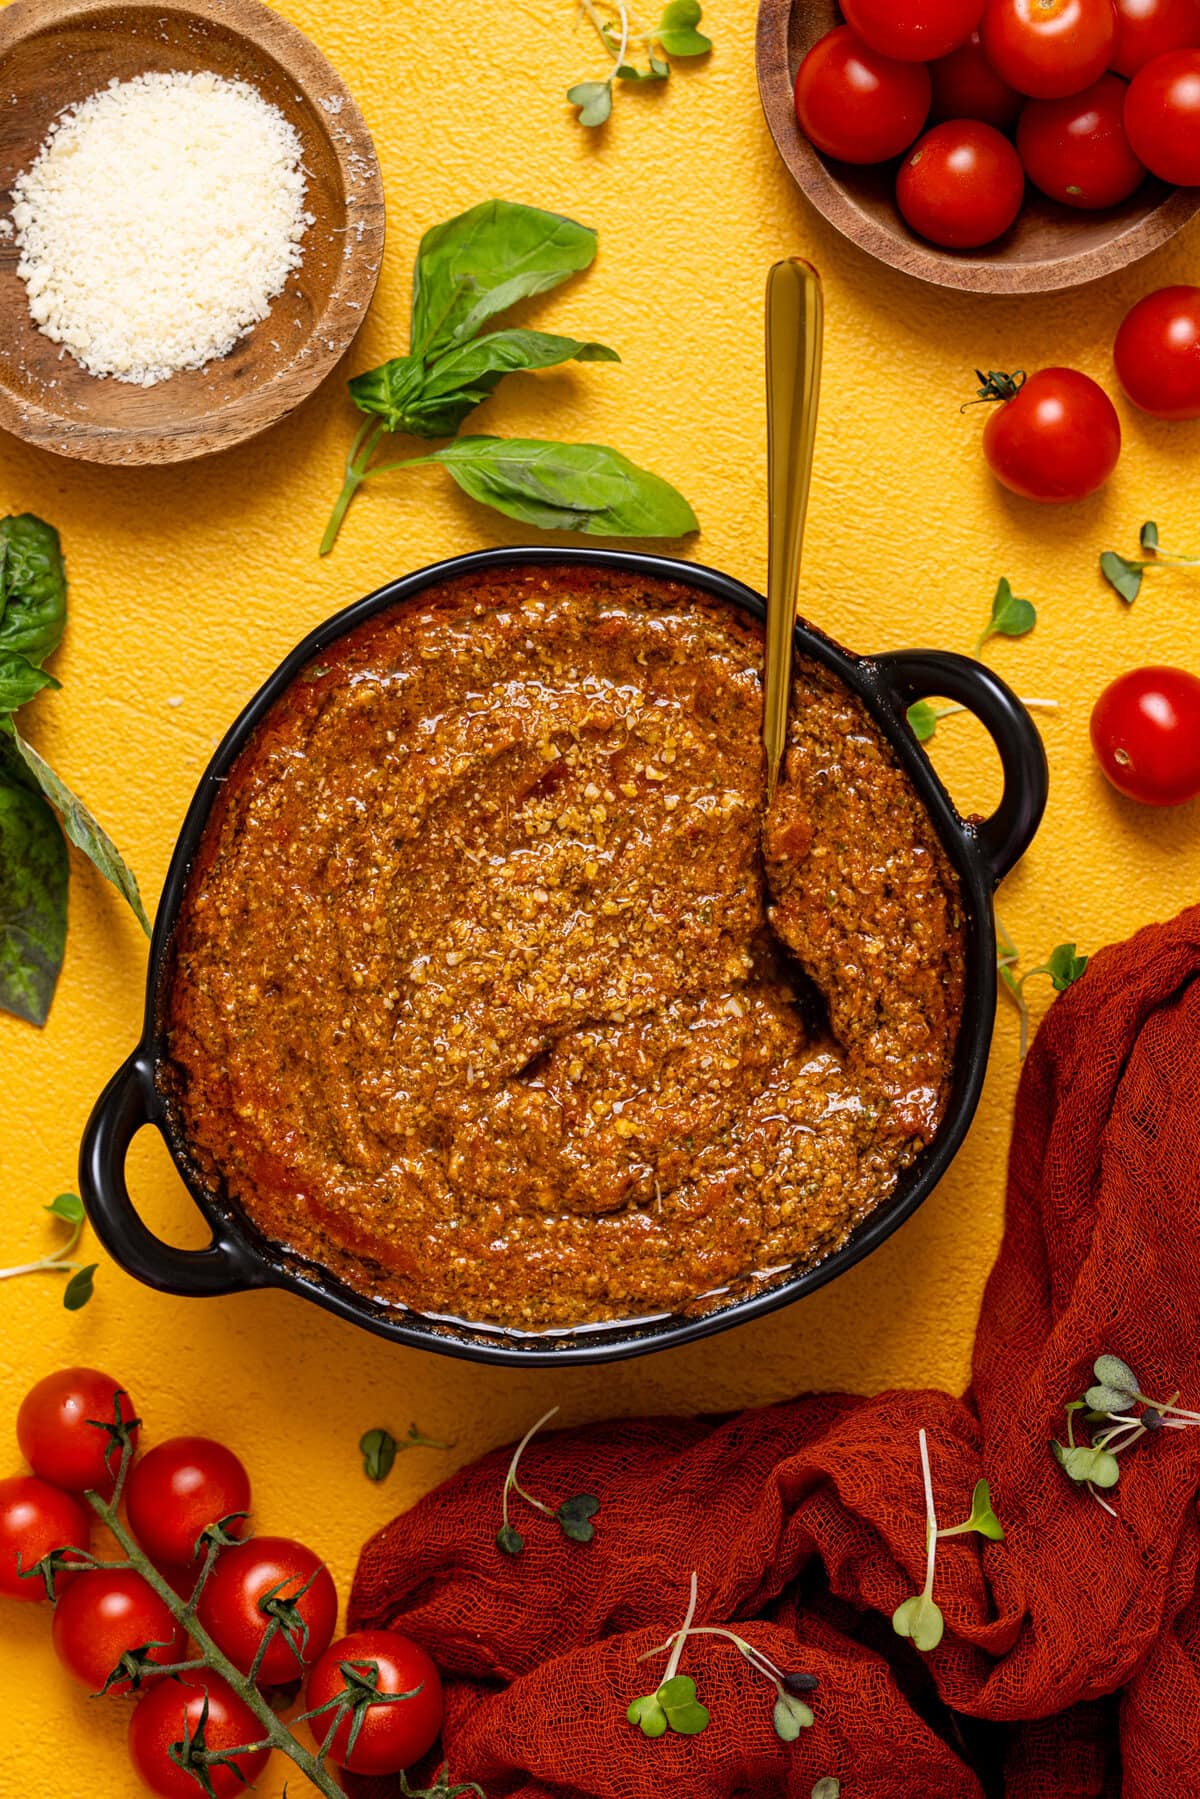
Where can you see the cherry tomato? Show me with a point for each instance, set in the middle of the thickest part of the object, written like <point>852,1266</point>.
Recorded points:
<point>243,1580</point>
<point>1057,437</point>
<point>1048,48</point>
<point>1146,735</point>
<point>392,1737</point>
<point>105,1614</point>
<point>1157,353</point>
<point>856,105</point>
<point>1076,149</point>
<point>1162,117</point>
<point>171,1710</point>
<point>961,185</point>
<point>913,30</point>
<point>177,1490</point>
<point>1149,28</point>
<point>34,1519</point>
<point>965,86</point>
<point>57,1434</point>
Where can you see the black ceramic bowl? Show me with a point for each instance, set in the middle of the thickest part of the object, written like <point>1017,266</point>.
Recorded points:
<point>981,851</point>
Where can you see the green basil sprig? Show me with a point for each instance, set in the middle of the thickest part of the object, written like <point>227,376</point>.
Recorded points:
<point>37,809</point>
<point>468,271</point>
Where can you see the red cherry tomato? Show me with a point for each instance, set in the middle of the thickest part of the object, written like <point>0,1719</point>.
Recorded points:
<point>34,1519</point>
<point>965,86</point>
<point>170,1712</point>
<point>1076,149</point>
<point>1149,28</point>
<point>1146,735</point>
<point>961,185</point>
<point>60,1428</point>
<point>913,30</point>
<point>1048,48</point>
<point>245,1580</point>
<point>177,1490</point>
<point>1057,437</point>
<point>1162,117</point>
<point>856,105</point>
<point>105,1614</point>
<point>1157,353</point>
<point>392,1737</point>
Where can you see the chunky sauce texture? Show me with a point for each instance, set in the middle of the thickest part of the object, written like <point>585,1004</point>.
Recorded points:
<point>495,993</point>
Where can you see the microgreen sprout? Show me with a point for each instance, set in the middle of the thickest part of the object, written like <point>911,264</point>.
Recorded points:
<point>920,1618</point>
<point>1010,617</point>
<point>828,1788</point>
<point>1124,573</point>
<point>573,1517</point>
<point>379,1449</point>
<point>637,56</point>
<point>78,1290</point>
<point>1111,1414</point>
<point>1063,965</point>
<point>674,1705</point>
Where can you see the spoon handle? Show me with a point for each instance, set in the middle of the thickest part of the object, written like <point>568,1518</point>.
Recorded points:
<point>795,324</point>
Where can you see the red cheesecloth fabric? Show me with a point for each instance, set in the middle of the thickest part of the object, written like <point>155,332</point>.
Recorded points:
<point>1070,1665</point>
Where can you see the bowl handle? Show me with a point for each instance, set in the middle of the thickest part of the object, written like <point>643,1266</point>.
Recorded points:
<point>1006,835</point>
<point>127,1103</point>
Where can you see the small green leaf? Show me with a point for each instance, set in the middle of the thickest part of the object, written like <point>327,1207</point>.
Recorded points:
<point>1111,1371</point>
<point>79,1288</point>
<point>68,1206</point>
<point>33,587</point>
<point>509,1540</point>
<point>922,720</point>
<point>983,1518</point>
<point>379,1453</point>
<point>648,1715</point>
<point>828,1788</point>
<point>575,1516</point>
<point>1149,537</point>
<point>676,30</point>
<point>1083,1463</point>
<point>790,1717</point>
<point>658,71</point>
<point>1064,967</point>
<point>921,1619</point>
<point>1011,617</point>
<point>34,873</point>
<point>684,1713</point>
<point>594,100</point>
<point>1122,575</point>
<point>1103,1400</point>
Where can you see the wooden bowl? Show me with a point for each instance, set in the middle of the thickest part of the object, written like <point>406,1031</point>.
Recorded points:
<point>1050,246</point>
<point>56,52</point>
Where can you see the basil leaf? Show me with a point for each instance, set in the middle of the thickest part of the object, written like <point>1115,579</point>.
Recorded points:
<point>565,487</point>
<point>469,374</point>
<point>83,830</point>
<point>389,390</point>
<point>33,587</point>
<point>20,680</point>
<point>594,100</point>
<point>34,870</point>
<point>483,261</point>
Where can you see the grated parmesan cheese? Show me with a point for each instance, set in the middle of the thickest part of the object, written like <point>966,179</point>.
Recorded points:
<point>159,220</point>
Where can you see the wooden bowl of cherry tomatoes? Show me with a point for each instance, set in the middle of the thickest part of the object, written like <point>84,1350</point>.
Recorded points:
<point>1001,146</point>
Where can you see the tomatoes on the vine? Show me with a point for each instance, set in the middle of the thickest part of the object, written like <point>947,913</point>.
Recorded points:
<point>62,1428</point>
<point>177,1490</point>
<point>965,86</point>
<point>913,30</point>
<point>106,1614</point>
<point>1048,48</point>
<point>1054,437</point>
<point>1149,28</point>
<point>856,105</point>
<point>258,1581</point>
<point>1076,149</point>
<point>391,1737</point>
<point>1162,117</point>
<point>1146,735</point>
<point>171,1712</point>
<point>961,185</point>
<point>35,1518</point>
<point>1157,353</point>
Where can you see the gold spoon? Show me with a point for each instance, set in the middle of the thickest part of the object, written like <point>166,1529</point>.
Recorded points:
<point>795,323</point>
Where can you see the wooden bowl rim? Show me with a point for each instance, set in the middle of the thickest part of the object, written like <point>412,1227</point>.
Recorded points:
<point>334,327</point>
<point>970,273</point>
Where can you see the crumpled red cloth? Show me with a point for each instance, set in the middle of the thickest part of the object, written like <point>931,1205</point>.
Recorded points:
<point>1070,1665</point>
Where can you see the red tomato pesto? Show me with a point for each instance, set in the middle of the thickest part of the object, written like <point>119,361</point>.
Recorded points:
<point>494,994</point>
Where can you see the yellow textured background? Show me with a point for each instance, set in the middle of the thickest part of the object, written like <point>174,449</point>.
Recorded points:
<point>191,583</point>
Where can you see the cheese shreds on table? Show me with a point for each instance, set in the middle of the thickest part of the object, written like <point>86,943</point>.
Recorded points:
<point>160,219</point>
